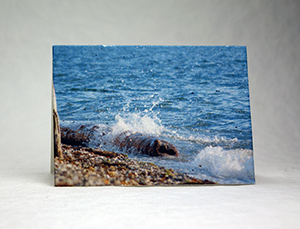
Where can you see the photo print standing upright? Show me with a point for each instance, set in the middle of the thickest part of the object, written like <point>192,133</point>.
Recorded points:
<point>151,115</point>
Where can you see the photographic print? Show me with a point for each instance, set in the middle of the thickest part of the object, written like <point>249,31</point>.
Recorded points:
<point>151,115</point>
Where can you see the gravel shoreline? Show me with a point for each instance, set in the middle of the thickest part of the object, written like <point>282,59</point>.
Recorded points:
<point>83,166</point>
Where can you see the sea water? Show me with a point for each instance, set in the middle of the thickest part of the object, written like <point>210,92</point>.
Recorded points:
<point>195,97</point>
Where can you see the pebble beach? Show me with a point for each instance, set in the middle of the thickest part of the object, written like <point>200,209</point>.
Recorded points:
<point>84,166</point>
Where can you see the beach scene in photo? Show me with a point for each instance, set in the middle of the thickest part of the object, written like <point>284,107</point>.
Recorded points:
<point>153,115</point>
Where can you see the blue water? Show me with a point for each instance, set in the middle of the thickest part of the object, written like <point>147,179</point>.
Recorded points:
<point>195,97</point>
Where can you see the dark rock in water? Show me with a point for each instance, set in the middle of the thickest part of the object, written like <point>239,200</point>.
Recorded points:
<point>145,144</point>
<point>139,143</point>
<point>77,137</point>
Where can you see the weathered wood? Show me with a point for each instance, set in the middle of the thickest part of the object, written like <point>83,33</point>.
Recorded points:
<point>126,141</point>
<point>56,128</point>
<point>145,144</point>
<point>78,137</point>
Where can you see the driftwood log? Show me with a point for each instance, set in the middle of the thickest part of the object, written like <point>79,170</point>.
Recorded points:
<point>126,141</point>
<point>77,137</point>
<point>145,144</point>
<point>56,128</point>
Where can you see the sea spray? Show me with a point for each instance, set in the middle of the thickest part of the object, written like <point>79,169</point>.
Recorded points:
<point>138,123</point>
<point>226,164</point>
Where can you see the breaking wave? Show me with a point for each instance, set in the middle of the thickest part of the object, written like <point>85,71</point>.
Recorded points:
<point>227,164</point>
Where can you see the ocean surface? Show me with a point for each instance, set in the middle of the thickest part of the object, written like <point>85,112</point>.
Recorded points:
<point>195,97</point>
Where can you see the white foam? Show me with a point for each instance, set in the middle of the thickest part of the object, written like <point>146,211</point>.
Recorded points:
<point>202,139</point>
<point>138,123</point>
<point>233,164</point>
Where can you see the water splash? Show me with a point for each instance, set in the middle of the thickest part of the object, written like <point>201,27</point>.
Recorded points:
<point>138,123</point>
<point>227,164</point>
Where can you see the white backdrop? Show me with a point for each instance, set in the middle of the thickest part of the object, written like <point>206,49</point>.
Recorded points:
<point>271,32</point>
